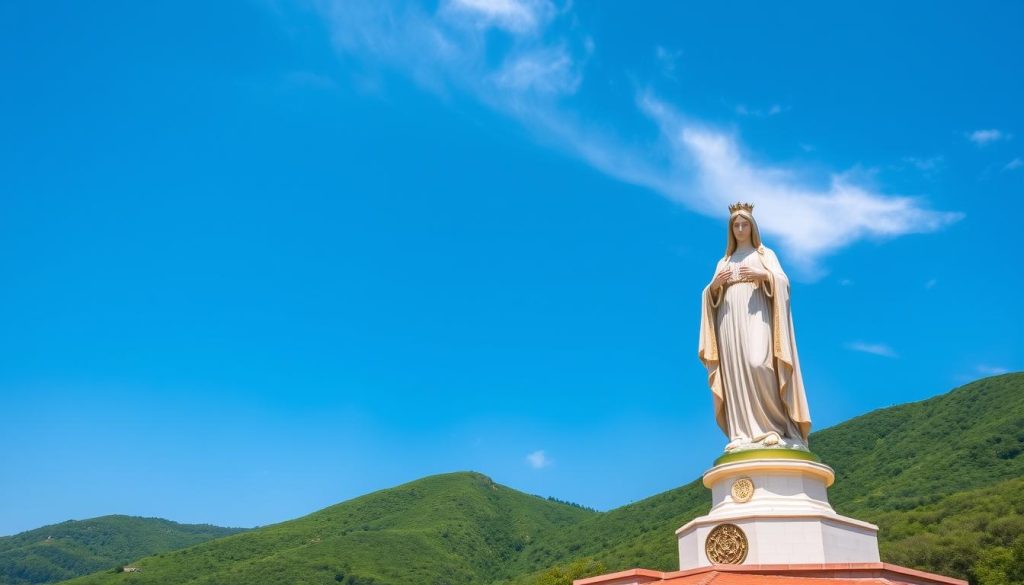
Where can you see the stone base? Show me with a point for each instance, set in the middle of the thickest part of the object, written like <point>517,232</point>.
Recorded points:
<point>781,509</point>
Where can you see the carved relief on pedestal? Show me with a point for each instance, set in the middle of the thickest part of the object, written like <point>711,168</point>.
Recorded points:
<point>726,545</point>
<point>742,490</point>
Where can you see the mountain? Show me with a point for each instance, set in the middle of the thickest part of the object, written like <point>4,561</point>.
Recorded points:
<point>942,478</point>
<point>455,529</point>
<point>79,547</point>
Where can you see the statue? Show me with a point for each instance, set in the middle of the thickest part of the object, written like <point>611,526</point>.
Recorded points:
<point>748,346</point>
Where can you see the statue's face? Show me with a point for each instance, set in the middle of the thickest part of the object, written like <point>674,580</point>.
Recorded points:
<point>741,230</point>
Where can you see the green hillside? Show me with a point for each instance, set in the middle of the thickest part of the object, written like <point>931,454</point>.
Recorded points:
<point>941,477</point>
<point>455,529</point>
<point>976,534</point>
<point>903,457</point>
<point>78,547</point>
<point>890,460</point>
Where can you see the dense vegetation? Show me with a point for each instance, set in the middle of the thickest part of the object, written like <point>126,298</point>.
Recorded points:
<point>941,477</point>
<point>452,529</point>
<point>976,533</point>
<point>79,547</point>
<point>915,454</point>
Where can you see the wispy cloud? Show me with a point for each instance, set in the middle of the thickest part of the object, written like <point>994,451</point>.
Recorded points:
<point>983,370</point>
<point>669,61</point>
<point>1014,164</point>
<point>549,71</point>
<point>872,348</point>
<point>931,283</point>
<point>538,460</point>
<point>929,166</point>
<point>771,110</point>
<point>517,16</point>
<point>811,221</point>
<point>929,163</point>
<point>515,57</point>
<point>447,51</point>
<point>989,370</point>
<point>984,137</point>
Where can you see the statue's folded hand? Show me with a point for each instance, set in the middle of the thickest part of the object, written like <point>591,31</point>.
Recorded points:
<point>752,274</point>
<point>721,279</point>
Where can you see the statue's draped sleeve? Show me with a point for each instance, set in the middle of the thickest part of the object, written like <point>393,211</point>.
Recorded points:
<point>707,349</point>
<point>786,361</point>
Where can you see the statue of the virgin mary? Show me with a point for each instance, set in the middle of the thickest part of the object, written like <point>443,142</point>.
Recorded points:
<point>748,346</point>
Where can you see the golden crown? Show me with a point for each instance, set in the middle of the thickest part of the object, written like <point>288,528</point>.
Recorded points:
<point>738,206</point>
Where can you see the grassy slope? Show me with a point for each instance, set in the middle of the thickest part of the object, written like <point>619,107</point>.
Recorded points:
<point>452,529</point>
<point>895,466</point>
<point>79,547</point>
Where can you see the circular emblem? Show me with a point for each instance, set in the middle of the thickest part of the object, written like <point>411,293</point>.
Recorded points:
<point>726,545</point>
<point>742,490</point>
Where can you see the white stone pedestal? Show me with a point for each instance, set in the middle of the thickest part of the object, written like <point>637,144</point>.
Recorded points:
<point>785,518</point>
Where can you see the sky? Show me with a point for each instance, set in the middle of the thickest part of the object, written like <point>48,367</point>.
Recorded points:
<point>260,257</point>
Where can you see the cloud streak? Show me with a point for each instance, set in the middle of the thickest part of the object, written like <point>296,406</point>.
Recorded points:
<point>773,110</point>
<point>879,349</point>
<point>515,16</point>
<point>513,56</point>
<point>984,137</point>
<point>810,221</point>
<point>668,60</point>
<point>545,71</point>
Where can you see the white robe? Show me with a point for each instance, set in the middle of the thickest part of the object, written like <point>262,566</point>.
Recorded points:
<point>748,347</point>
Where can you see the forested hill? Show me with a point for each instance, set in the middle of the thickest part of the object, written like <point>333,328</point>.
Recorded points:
<point>78,547</point>
<point>906,456</point>
<point>457,529</point>
<point>941,477</point>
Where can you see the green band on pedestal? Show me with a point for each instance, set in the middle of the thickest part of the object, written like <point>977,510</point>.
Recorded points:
<point>777,453</point>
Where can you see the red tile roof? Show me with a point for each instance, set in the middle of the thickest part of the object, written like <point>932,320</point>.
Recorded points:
<point>807,574</point>
<point>719,578</point>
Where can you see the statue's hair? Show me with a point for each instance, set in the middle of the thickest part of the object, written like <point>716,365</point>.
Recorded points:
<point>755,233</point>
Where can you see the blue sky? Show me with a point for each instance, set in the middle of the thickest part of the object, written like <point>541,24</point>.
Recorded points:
<point>262,257</point>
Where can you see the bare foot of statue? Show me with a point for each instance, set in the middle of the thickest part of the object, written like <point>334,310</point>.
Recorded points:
<point>736,444</point>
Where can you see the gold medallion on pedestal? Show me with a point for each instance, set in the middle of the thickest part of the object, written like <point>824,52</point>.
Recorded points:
<point>726,545</point>
<point>742,490</point>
